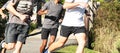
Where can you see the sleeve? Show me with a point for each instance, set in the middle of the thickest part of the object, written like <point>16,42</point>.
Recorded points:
<point>46,5</point>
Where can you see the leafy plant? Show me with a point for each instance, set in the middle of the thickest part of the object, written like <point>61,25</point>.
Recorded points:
<point>107,27</point>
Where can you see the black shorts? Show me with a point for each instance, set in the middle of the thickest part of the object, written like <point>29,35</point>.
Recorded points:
<point>16,32</point>
<point>66,31</point>
<point>46,32</point>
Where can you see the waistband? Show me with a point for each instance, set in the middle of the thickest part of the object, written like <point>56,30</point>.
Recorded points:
<point>53,18</point>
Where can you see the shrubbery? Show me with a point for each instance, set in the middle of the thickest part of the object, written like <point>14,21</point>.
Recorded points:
<point>107,27</point>
<point>2,21</point>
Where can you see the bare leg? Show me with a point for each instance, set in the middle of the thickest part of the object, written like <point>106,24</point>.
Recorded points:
<point>9,46</point>
<point>42,47</point>
<point>3,51</point>
<point>18,47</point>
<point>57,44</point>
<point>52,39</point>
<point>81,38</point>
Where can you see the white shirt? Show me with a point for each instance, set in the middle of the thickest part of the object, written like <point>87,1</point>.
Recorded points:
<point>74,17</point>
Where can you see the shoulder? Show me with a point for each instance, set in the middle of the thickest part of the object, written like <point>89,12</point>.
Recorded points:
<point>47,3</point>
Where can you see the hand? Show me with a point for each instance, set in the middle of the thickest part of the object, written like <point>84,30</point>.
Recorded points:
<point>46,11</point>
<point>23,17</point>
<point>41,12</point>
<point>4,16</point>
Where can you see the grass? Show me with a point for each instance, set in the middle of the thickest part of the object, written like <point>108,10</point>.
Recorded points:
<point>72,49</point>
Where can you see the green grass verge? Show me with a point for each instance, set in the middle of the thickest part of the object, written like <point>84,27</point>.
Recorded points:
<point>72,49</point>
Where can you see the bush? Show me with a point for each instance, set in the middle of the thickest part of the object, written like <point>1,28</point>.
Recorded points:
<point>107,27</point>
<point>32,26</point>
<point>2,28</point>
<point>2,21</point>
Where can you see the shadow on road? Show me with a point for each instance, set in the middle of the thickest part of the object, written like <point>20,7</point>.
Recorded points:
<point>34,34</point>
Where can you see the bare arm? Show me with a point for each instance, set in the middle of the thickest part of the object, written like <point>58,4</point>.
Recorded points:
<point>10,8</point>
<point>68,5</point>
<point>2,14</point>
<point>41,12</point>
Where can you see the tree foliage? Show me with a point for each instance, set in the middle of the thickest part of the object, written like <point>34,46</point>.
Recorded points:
<point>2,21</point>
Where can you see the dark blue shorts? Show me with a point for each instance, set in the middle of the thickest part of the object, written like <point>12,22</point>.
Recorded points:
<point>66,30</point>
<point>16,32</point>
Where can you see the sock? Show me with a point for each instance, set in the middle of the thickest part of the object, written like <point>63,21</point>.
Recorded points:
<point>3,45</point>
<point>48,51</point>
